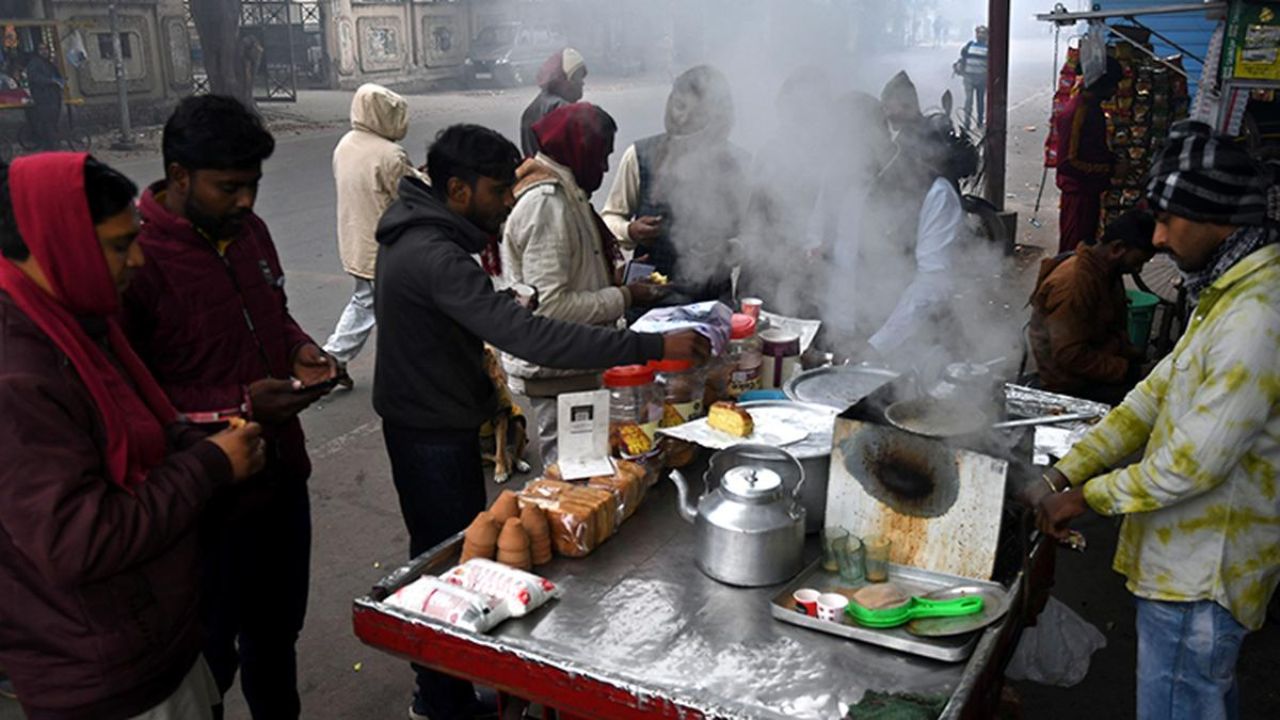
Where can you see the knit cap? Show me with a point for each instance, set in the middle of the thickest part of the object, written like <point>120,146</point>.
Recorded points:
<point>1205,177</point>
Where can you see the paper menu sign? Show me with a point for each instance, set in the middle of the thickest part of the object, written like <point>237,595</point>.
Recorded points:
<point>584,434</point>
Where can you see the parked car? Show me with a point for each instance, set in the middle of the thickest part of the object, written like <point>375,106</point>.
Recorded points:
<point>510,53</point>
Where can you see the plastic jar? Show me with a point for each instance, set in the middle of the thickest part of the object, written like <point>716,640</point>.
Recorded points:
<point>683,385</point>
<point>745,356</point>
<point>635,404</point>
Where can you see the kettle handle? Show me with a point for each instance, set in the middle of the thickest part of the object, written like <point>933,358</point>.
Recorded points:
<point>795,492</point>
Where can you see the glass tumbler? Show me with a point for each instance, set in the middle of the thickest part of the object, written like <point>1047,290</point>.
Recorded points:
<point>851,556</point>
<point>878,547</point>
<point>831,540</point>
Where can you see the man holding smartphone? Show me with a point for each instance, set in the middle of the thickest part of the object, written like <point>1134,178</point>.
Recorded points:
<point>209,317</point>
<point>555,242</point>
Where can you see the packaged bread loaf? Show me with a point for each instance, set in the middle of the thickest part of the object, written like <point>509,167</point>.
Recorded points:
<point>628,485</point>
<point>581,517</point>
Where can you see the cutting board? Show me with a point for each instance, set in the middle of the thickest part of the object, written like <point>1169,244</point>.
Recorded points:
<point>940,505</point>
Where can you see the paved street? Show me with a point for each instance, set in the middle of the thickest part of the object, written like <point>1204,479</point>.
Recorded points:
<point>358,534</point>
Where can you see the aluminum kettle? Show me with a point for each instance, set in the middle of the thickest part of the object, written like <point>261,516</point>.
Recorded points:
<point>750,531</point>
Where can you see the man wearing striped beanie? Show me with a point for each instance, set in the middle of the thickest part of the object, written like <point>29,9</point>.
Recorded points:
<point>1200,543</point>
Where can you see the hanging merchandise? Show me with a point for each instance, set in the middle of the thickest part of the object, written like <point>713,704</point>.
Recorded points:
<point>1069,83</point>
<point>1093,52</point>
<point>1151,97</point>
<point>1253,43</point>
<point>76,54</point>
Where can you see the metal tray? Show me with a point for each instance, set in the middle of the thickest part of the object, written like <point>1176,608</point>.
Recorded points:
<point>913,580</point>
<point>839,387</point>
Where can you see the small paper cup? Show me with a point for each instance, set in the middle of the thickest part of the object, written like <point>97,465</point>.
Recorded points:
<point>831,606</point>
<point>751,306</point>
<point>806,601</point>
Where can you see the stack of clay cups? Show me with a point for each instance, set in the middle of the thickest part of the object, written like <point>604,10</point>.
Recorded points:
<point>514,545</point>
<point>505,507</point>
<point>535,523</point>
<point>481,538</point>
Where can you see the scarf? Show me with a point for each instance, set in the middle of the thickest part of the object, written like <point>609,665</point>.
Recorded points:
<point>1238,246</point>
<point>48,195</point>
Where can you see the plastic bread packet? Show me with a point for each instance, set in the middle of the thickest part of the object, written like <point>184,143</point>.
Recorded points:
<point>434,598</point>
<point>522,592</point>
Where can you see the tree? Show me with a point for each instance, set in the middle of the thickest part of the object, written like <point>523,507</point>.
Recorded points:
<point>218,24</point>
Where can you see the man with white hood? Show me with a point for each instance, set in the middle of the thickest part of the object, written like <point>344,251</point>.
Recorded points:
<point>368,164</point>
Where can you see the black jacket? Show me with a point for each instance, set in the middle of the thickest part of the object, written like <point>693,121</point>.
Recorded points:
<point>436,307</point>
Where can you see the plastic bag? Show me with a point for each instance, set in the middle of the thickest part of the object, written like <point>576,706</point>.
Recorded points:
<point>710,319</point>
<point>1057,650</point>
<point>522,592</point>
<point>457,606</point>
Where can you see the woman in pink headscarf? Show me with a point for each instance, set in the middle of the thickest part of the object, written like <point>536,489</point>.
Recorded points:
<point>561,78</point>
<point>100,486</point>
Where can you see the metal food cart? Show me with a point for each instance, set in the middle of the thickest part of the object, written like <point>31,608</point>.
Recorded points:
<point>641,632</point>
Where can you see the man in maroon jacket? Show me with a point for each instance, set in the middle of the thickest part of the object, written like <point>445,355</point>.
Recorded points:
<point>100,487</point>
<point>208,315</point>
<point>1085,163</point>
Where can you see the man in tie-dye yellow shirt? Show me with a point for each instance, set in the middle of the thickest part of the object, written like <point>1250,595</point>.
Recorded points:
<point>1200,543</point>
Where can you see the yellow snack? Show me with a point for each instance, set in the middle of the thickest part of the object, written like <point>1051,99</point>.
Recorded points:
<point>658,278</point>
<point>629,439</point>
<point>728,417</point>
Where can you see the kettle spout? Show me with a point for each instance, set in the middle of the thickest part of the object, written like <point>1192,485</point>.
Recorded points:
<point>683,503</point>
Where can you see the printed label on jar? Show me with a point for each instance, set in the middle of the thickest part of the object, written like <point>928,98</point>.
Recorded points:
<point>674,414</point>
<point>650,429</point>
<point>742,380</point>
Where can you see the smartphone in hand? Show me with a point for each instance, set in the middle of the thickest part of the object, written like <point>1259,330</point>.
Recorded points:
<point>637,272</point>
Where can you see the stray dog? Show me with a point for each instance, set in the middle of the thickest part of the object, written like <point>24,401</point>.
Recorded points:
<point>506,431</point>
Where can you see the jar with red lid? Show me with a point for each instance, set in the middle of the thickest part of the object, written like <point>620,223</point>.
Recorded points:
<point>635,409</point>
<point>745,355</point>
<point>683,387</point>
<point>732,374</point>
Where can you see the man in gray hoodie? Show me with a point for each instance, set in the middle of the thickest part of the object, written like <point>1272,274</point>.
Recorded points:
<point>436,308</point>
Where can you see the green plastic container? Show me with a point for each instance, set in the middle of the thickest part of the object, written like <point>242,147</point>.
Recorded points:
<point>1142,312</point>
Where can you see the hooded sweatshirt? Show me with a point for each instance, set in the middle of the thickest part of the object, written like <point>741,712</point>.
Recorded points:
<point>436,308</point>
<point>367,166</point>
<point>98,554</point>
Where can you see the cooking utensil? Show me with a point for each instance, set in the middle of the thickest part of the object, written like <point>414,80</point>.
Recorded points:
<point>750,531</point>
<point>995,603</point>
<point>839,387</point>
<point>1045,420</point>
<point>936,418</point>
<point>913,608</point>
<point>813,450</point>
<point>944,419</point>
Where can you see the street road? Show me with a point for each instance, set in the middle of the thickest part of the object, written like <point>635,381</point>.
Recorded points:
<point>358,533</point>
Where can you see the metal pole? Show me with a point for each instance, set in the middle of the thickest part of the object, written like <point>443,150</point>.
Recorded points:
<point>125,141</point>
<point>997,99</point>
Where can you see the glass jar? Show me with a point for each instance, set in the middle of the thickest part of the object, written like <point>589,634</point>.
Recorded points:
<point>635,409</point>
<point>745,356</point>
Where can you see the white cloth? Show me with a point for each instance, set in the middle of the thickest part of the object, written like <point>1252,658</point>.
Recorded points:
<point>624,197</point>
<point>194,699</point>
<point>938,236</point>
<point>368,164</point>
<point>551,242</point>
<point>355,326</point>
<point>571,61</point>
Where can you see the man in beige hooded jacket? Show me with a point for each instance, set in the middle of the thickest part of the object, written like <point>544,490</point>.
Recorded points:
<point>368,164</point>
